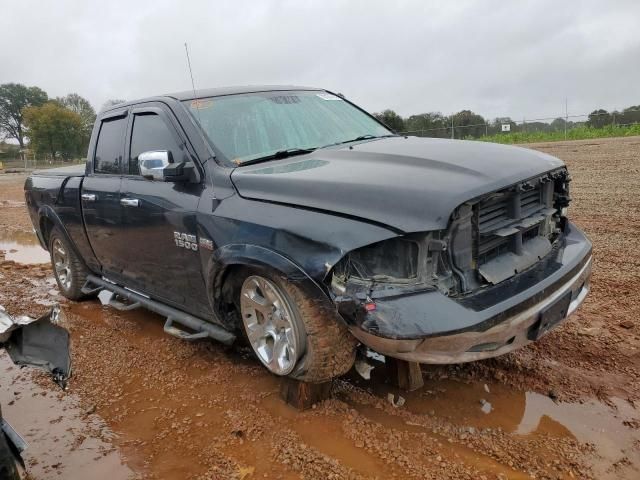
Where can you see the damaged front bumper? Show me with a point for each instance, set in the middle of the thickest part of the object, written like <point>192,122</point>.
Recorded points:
<point>429,327</point>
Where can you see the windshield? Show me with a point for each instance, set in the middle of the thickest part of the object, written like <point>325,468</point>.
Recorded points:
<point>249,126</point>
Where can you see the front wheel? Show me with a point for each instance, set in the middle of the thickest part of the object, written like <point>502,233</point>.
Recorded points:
<point>8,465</point>
<point>290,335</point>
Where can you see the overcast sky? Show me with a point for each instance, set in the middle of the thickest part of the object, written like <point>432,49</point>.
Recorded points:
<point>497,58</point>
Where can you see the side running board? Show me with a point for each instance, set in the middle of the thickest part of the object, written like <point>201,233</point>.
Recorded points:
<point>110,298</point>
<point>201,328</point>
<point>90,289</point>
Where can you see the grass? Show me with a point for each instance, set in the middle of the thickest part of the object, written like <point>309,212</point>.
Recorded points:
<point>578,133</point>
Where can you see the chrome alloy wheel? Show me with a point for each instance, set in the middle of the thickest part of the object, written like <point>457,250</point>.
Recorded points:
<point>61,263</point>
<point>270,325</point>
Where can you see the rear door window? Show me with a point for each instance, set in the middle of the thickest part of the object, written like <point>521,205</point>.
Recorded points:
<point>150,132</point>
<point>110,145</point>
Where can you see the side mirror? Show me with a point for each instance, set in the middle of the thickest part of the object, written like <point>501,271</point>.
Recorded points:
<point>153,163</point>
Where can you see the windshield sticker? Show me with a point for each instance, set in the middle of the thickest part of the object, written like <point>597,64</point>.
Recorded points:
<point>284,99</point>
<point>202,103</point>
<point>327,96</point>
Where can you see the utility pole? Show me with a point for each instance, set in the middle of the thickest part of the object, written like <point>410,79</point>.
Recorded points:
<point>566,116</point>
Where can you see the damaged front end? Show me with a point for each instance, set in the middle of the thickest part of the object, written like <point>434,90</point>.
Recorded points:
<point>496,236</point>
<point>458,294</point>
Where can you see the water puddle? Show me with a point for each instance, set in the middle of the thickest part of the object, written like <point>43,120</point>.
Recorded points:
<point>613,429</point>
<point>23,247</point>
<point>164,396</point>
<point>64,442</point>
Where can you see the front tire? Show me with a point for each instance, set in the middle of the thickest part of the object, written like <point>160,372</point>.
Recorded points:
<point>69,271</point>
<point>290,334</point>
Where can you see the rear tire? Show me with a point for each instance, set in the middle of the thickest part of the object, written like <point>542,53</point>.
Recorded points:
<point>69,271</point>
<point>274,311</point>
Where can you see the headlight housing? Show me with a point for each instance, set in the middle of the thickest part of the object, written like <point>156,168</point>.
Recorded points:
<point>389,260</point>
<point>414,261</point>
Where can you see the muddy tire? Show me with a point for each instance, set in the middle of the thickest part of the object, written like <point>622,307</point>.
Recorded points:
<point>68,269</point>
<point>324,348</point>
<point>8,467</point>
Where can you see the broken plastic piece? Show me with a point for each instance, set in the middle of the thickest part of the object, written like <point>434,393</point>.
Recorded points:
<point>38,343</point>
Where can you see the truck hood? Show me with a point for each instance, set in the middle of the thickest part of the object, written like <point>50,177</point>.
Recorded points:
<point>410,184</point>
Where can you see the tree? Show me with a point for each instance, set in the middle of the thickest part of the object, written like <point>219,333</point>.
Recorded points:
<point>599,118</point>
<point>391,119</point>
<point>14,98</point>
<point>432,124</point>
<point>111,103</point>
<point>559,124</point>
<point>628,115</point>
<point>54,129</point>
<point>469,124</point>
<point>82,107</point>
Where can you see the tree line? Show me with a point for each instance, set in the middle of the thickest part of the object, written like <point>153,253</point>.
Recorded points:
<point>468,124</point>
<point>57,128</point>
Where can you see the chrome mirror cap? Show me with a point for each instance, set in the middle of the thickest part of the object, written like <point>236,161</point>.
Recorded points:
<point>152,163</point>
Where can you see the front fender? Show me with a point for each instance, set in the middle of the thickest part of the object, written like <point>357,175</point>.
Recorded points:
<point>258,257</point>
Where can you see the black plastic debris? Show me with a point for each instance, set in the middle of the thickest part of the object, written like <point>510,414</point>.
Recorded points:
<point>40,343</point>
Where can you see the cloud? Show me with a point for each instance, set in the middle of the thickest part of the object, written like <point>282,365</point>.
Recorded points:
<point>497,58</point>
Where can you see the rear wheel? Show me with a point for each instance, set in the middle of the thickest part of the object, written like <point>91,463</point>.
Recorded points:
<point>70,272</point>
<point>289,334</point>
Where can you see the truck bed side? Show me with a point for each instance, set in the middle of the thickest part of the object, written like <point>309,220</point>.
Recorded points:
<point>53,199</point>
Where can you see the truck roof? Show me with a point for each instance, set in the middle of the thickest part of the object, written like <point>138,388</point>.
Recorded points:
<point>213,92</point>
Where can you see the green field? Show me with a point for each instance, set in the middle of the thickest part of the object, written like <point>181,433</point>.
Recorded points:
<point>578,133</point>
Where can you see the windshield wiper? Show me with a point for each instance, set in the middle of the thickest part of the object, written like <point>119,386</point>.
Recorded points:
<point>289,152</point>
<point>361,137</point>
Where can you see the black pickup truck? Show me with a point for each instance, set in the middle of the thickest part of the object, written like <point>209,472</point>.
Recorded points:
<point>291,217</point>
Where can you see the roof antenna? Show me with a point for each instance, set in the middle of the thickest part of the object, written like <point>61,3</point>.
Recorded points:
<point>193,85</point>
<point>196,104</point>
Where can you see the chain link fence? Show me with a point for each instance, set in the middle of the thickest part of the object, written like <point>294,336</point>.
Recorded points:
<point>597,123</point>
<point>28,163</point>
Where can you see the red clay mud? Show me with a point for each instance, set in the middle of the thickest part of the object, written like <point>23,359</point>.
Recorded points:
<point>564,407</point>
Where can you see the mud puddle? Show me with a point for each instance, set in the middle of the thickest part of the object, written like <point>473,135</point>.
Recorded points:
<point>64,441</point>
<point>199,410</point>
<point>612,429</point>
<point>221,411</point>
<point>23,248</point>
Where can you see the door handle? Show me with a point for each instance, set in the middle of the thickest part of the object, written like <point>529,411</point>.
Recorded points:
<point>88,197</point>
<point>129,202</point>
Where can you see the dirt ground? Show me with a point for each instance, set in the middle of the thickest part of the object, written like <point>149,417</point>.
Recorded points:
<point>145,405</point>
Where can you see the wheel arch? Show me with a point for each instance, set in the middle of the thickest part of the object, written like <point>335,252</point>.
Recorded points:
<point>48,220</point>
<point>226,268</point>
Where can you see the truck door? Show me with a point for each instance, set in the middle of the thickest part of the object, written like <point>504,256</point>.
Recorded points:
<point>159,218</point>
<point>100,195</point>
